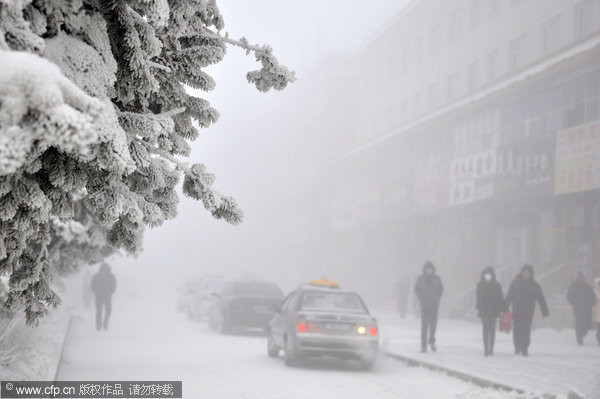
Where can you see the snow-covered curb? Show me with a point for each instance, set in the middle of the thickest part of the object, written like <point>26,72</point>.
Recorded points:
<point>39,348</point>
<point>482,382</point>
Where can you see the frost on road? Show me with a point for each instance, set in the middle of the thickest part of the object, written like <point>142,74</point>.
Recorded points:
<point>159,344</point>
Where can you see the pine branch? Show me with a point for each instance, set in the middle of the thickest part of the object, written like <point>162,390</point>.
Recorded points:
<point>182,165</point>
<point>242,43</point>
<point>157,65</point>
<point>142,21</point>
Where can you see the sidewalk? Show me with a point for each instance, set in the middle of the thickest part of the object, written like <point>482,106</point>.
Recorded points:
<point>556,363</point>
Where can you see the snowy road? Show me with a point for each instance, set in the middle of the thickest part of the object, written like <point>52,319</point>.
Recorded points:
<point>163,345</point>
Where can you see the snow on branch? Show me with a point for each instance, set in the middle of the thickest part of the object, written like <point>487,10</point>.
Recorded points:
<point>95,120</point>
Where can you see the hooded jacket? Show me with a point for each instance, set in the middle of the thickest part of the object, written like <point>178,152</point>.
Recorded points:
<point>597,291</point>
<point>104,283</point>
<point>581,296</point>
<point>490,299</point>
<point>429,289</point>
<point>523,294</point>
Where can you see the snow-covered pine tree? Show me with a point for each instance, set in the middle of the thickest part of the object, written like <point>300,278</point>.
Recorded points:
<point>94,121</point>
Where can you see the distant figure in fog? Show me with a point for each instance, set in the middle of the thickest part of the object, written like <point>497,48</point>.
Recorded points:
<point>523,294</point>
<point>429,290</point>
<point>103,285</point>
<point>86,289</point>
<point>597,314</point>
<point>582,298</point>
<point>403,294</point>
<point>490,305</point>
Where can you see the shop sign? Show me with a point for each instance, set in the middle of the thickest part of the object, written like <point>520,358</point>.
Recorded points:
<point>577,159</point>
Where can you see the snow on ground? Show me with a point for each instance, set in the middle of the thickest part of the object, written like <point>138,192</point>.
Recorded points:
<point>37,349</point>
<point>153,342</point>
<point>556,363</point>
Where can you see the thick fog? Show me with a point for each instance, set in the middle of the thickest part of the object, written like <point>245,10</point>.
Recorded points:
<point>264,160</point>
<point>421,204</point>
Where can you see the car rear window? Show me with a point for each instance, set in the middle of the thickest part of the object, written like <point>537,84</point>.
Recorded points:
<point>344,302</point>
<point>258,288</point>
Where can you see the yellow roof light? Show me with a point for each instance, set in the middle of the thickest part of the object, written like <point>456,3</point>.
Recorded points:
<point>325,283</point>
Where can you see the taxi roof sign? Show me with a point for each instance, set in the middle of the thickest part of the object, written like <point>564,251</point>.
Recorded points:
<point>325,283</point>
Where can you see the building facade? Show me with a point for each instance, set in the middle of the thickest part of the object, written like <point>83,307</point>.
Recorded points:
<point>477,142</point>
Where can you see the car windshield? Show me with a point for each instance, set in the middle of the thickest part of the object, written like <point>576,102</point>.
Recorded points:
<point>345,302</point>
<point>258,288</point>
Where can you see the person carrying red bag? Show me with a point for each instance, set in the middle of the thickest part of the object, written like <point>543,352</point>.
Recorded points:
<point>506,322</point>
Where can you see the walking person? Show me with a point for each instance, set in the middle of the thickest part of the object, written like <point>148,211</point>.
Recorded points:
<point>523,294</point>
<point>582,298</point>
<point>490,305</point>
<point>597,313</point>
<point>429,290</point>
<point>103,286</point>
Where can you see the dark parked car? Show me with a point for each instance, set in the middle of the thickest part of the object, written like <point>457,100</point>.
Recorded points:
<point>319,319</point>
<point>245,304</point>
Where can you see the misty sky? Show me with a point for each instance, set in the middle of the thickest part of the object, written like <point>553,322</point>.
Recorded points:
<point>300,33</point>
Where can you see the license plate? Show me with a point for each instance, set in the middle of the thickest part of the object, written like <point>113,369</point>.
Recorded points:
<point>338,326</point>
<point>261,308</point>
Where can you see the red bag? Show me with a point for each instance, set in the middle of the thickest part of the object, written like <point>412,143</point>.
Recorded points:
<point>506,322</point>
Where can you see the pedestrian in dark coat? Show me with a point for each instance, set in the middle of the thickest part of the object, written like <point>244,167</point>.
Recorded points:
<point>523,294</point>
<point>490,305</point>
<point>429,290</point>
<point>582,298</point>
<point>103,286</point>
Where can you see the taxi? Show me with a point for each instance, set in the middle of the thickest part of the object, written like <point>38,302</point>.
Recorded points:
<point>321,319</point>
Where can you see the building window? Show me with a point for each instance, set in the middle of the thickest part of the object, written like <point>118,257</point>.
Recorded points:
<point>452,87</point>
<point>404,60</point>
<point>551,35</point>
<point>417,105</point>
<point>494,8</point>
<point>474,14</point>
<point>586,16</point>
<point>435,38</point>
<point>492,66</point>
<point>433,96</point>
<point>402,111</point>
<point>392,65</point>
<point>390,121</point>
<point>517,53</point>
<point>455,25</point>
<point>417,50</point>
<point>592,111</point>
<point>473,76</point>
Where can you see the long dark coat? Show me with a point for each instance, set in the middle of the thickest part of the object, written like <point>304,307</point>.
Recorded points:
<point>103,283</point>
<point>429,289</point>
<point>582,297</point>
<point>523,295</point>
<point>490,299</point>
